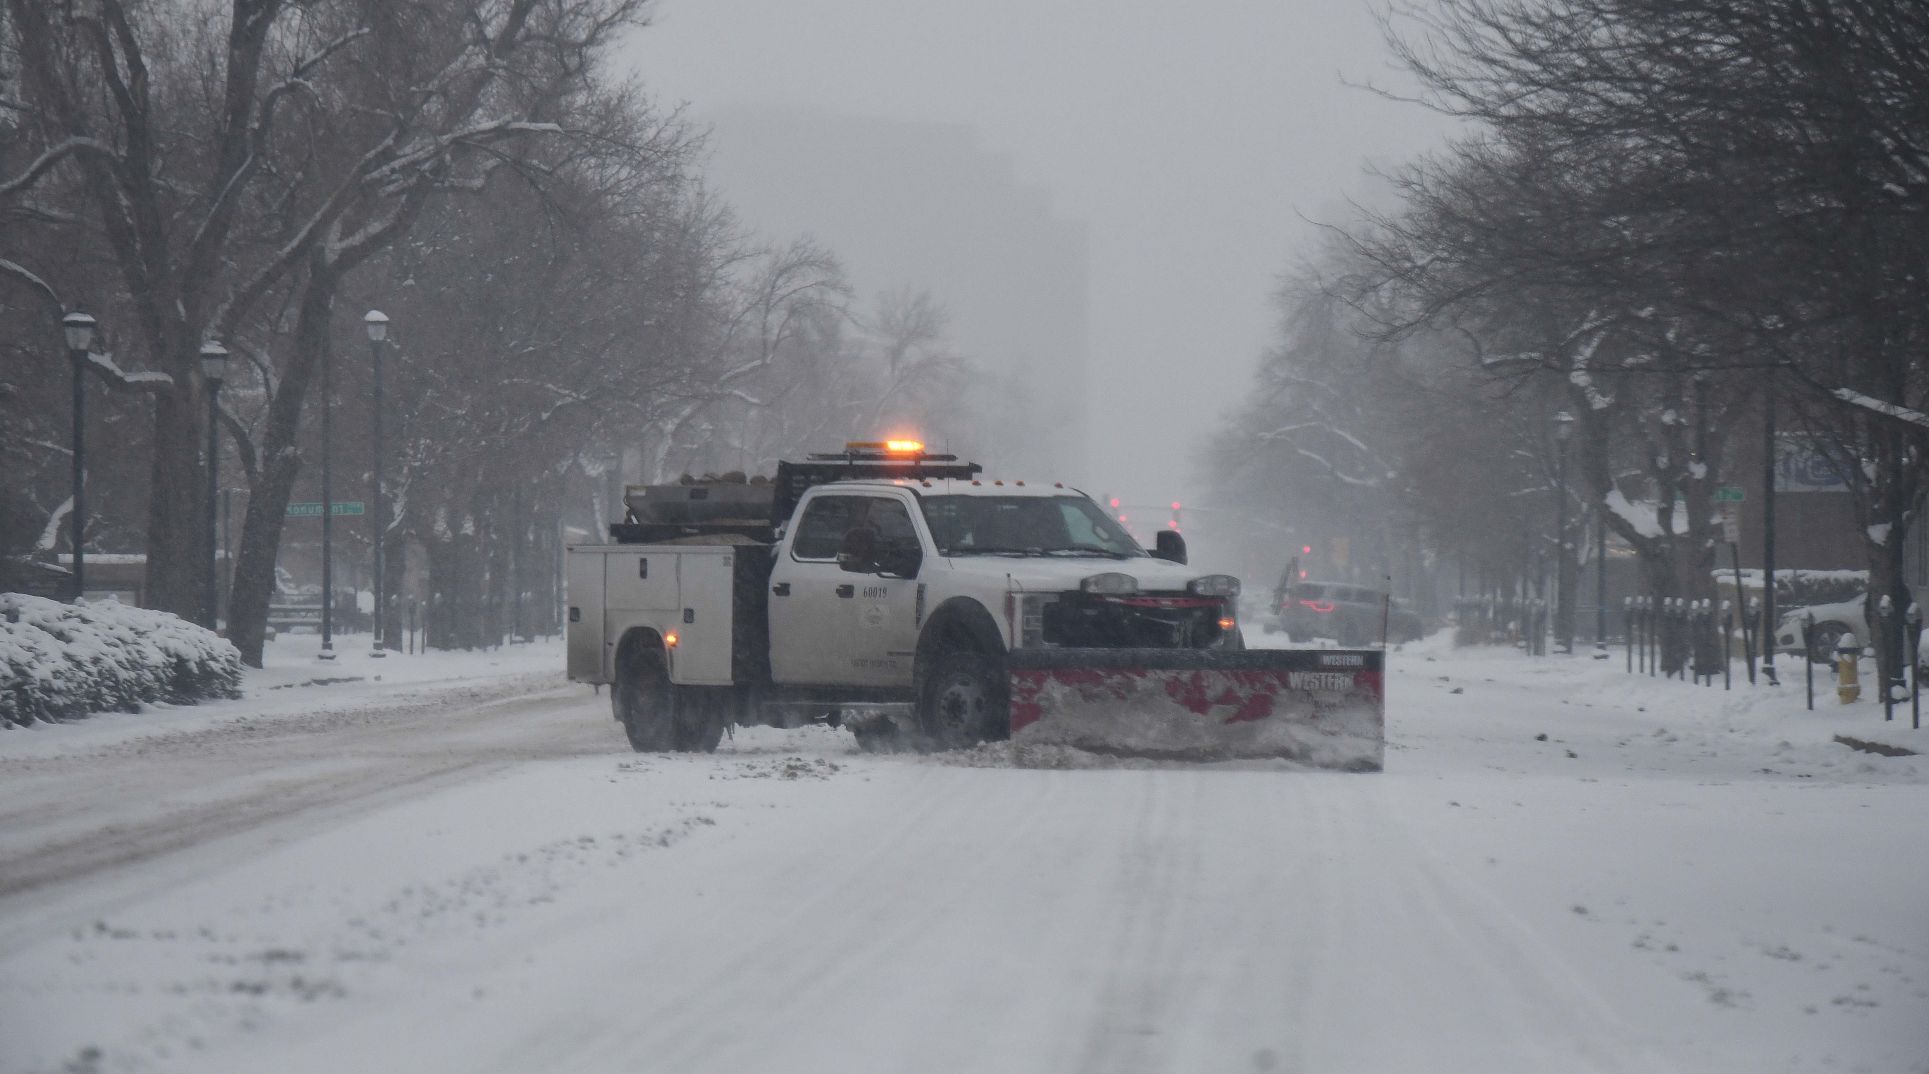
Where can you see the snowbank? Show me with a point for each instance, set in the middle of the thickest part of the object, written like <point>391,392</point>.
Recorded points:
<point>64,661</point>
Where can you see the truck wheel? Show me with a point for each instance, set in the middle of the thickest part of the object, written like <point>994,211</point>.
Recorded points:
<point>700,714</point>
<point>1822,642</point>
<point>964,701</point>
<point>645,701</point>
<point>880,737</point>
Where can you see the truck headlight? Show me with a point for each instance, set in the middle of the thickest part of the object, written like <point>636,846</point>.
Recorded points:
<point>1111,583</point>
<point>1031,619</point>
<point>1215,585</point>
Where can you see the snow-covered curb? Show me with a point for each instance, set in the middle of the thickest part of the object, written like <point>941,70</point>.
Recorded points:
<point>65,661</point>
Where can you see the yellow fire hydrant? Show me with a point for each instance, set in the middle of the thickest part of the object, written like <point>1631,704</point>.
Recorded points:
<point>1848,652</point>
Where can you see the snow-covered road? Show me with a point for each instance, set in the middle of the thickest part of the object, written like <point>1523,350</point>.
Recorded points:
<point>475,875</point>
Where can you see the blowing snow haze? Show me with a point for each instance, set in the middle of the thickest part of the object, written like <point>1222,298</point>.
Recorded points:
<point>1101,195</point>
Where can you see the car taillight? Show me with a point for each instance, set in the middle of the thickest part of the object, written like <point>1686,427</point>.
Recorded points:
<point>1318,605</point>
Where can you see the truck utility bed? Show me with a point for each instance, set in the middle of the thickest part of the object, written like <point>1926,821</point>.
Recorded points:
<point>708,594</point>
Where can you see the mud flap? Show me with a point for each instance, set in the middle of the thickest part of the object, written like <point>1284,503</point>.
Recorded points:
<point>1320,707</point>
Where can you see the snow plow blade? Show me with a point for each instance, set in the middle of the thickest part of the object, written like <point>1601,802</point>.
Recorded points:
<point>1324,708</point>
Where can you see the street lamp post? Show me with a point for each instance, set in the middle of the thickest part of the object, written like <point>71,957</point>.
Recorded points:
<point>79,328</point>
<point>377,324</point>
<point>1563,579</point>
<point>328,512</point>
<point>214,367</point>
<point>1600,580</point>
<point>1768,631</point>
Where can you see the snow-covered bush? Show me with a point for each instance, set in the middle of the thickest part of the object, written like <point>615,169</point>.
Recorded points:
<point>63,661</point>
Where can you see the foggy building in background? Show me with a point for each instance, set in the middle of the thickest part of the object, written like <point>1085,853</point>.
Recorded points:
<point>924,206</point>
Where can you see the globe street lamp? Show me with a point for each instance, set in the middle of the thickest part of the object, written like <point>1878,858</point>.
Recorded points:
<point>214,367</point>
<point>377,324</point>
<point>79,328</point>
<point>1564,582</point>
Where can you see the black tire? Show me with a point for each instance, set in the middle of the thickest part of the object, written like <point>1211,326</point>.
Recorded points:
<point>964,701</point>
<point>644,700</point>
<point>701,712</point>
<point>1823,640</point>
<point>879,737</point>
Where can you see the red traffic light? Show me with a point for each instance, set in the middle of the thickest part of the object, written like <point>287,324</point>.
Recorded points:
<point>1306,550</point>
<point>1175,505</point>
<point>1115,501</point>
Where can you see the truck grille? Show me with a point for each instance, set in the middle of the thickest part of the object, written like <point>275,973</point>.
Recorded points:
<point>1141,621</point>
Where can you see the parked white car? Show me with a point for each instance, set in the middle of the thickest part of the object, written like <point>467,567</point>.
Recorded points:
<point>1832,622</point>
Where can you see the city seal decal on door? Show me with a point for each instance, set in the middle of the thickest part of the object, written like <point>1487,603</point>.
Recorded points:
<point>875,617</point>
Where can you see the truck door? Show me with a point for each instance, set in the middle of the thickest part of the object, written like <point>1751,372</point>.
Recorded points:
<point>810,597</point>
<point>884,629</point>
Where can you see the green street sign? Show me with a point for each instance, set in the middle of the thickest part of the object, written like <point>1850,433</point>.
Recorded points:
<point>314,510</point>
<point>1730,494</point>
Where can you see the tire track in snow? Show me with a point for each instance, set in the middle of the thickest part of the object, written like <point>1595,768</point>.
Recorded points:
<point>245,783</point>
<point>783,939</point>
<point>1477,989</point>
<point>965,920</point>
<point>1157,863</point>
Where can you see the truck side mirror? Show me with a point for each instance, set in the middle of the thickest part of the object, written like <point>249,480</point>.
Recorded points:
<point>857,552</point>
<point>901,562</point>
<point>1169,545</point>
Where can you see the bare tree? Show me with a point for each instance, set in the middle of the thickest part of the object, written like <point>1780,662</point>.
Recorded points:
<point>318,139</point>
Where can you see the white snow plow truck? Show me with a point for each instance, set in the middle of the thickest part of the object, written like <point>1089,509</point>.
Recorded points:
<point>901,595</point>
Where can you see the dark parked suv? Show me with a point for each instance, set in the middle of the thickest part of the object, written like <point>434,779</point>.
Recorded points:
<point>1349,613</point>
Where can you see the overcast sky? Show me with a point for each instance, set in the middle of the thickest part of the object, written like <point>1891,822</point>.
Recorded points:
<point>1191,137</point>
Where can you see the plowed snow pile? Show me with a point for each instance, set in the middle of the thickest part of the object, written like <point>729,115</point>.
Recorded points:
<point>65,661</point>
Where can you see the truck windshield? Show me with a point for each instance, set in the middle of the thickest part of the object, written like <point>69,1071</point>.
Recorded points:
<point>1025,526</point>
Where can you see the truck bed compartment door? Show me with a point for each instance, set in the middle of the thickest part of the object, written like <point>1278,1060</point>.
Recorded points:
<point>702,656</point>
<point>641,580</point>
<point>584,630</point>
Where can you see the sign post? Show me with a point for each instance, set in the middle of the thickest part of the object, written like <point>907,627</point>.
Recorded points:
<point>1728,501</point>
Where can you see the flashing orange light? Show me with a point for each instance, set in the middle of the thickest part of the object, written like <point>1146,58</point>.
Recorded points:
<point>1227,623</point>
<point>891,447</point>
<point>670,640</point>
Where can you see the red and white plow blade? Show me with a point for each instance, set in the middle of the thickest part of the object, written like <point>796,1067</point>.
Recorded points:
<point>1324,708</point>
